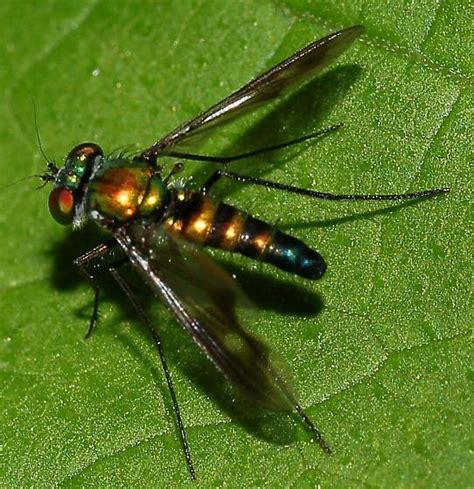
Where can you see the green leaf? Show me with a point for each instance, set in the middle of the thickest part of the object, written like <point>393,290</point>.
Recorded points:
<point>379,349</point>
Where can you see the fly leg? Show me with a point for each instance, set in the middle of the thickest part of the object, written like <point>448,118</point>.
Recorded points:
<point>159,346</point>
<point>314,193</point>
<point>88,264</point>
<point>315,432</point>
<point>230,159</point>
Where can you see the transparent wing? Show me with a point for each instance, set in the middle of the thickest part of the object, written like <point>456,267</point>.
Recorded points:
<point>266,87</point>
<point>204,299</point>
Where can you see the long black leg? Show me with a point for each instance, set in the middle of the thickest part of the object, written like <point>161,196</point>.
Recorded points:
<point>229,159</point>
<point>313,193</point>
<point>85,262</point>
<point>316,433</point>
<point>157,340</point>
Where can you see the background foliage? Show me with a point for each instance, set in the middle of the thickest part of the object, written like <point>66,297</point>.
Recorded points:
<point>380,348</point>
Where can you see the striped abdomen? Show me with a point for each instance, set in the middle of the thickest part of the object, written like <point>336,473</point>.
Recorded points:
<point>201,220</point>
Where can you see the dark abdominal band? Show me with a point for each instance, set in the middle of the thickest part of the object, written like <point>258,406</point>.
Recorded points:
<point>257,239</point>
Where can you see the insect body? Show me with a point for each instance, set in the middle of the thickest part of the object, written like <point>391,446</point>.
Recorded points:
<point>158,226</point>
<point>127,190</point>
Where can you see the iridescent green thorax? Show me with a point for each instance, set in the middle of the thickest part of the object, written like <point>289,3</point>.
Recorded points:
<point>125,189</point>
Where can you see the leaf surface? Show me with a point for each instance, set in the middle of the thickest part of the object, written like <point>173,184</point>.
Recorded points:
<point>379,349</point>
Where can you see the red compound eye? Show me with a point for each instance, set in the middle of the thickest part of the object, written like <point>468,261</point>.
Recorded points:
<point>61,205</point>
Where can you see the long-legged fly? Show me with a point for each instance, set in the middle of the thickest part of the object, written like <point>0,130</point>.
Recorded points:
<point>157,225</point>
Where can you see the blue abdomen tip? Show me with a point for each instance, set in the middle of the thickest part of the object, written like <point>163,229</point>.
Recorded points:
<point>311,264</point>
<point>292,255</point>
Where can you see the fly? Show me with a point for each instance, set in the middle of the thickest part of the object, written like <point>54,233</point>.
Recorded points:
<point>159,228</point>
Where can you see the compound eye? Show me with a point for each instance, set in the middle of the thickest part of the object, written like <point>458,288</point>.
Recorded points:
<point>61,205</point>
<point>84,152</point>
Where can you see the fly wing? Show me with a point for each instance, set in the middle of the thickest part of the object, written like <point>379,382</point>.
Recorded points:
<point>204,299</point>
<point>266,87</point>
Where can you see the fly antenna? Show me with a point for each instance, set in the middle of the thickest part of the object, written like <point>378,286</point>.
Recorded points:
<point>52,169</point>
<point>8,185</point>
<point>46,178</point>
<point>38,138</point>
